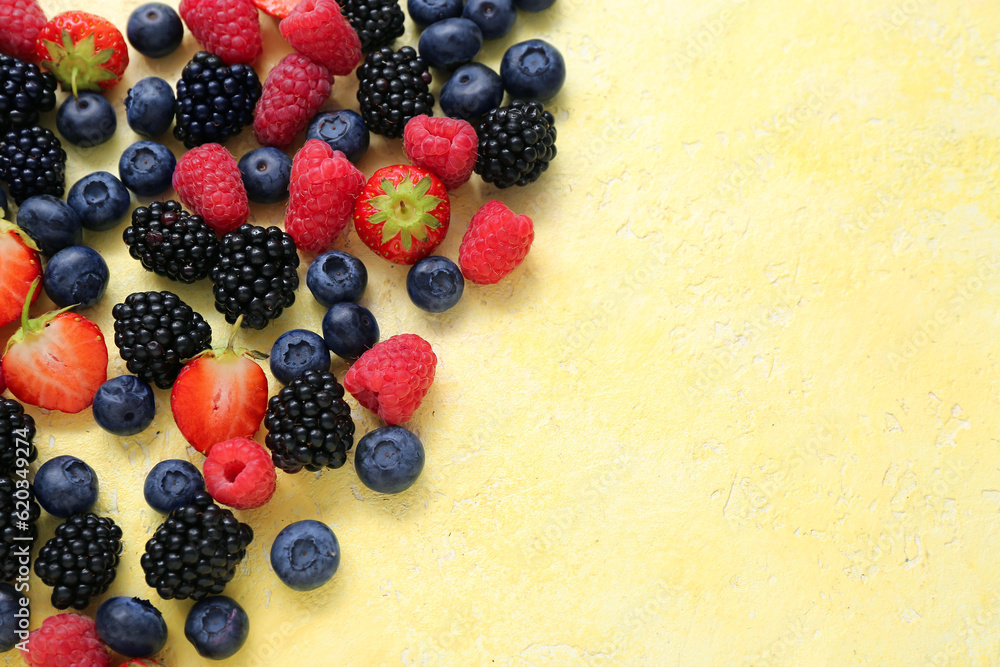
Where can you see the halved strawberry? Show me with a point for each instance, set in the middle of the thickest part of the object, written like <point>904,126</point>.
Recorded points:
<point>20,265</point>
<point>218,395</point>
<point>57,361</point>
<point>277,8</point>
<point>84,51</point>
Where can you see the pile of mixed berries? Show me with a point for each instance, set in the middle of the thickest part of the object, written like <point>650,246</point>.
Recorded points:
<point>219,392</point>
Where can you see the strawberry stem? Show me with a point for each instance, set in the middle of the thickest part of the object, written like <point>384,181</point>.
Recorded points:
<point>232,334</point>
<point>27,302</point>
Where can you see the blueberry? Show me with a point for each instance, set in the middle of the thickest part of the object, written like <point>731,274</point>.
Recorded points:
<point>14,613</point>
<point>171,484</point>
<point>3,204</point>
<point>389,459</point>
<point>149,106</point>
<point>217,627</point>
<point>336,276</point>
<point>305,555</point>
<point>131,626</point>
<point>533,70</point>
<point>65,485</point>
<point>426,12</point>
<point>86,120</point>
<point>296,352</point>
<point>76,275</point>
<point>343,130</point>
<point>50,222</point>
<point>494,17</point>
<point>349,330</point>
<point>435,284</point>
<point>154,30</point>
<point>266,173</point>
<point>100,200</point>
<point>472,91</point>
<point>450,43</point>
<point>146,168</point>
<point>533,5</point>
<point>124,405</point>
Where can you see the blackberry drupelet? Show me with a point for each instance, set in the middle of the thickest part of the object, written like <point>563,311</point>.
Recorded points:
<point>17,431</point>
<point>156,332</point>
<point>516,143</point>
<point>24,91</point>
<point>309,424</point>
<point>81,560</point>
<point>215,101</point>
<point>195,551</point>
<point>256,275</point>
<point>394,87</point>
<point>377,22</point>
<point>18,513</point>
<point>171,242</point>
<point>32,162</point>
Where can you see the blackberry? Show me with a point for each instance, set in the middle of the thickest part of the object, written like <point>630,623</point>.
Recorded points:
<point>32,162</point>
<point>195,551</point>
<point>171,242</point>
<point>309,424</point>
<point>156,332</point>
<point>81,559</point>
<point>256,276</point>
<point>18,513</point>
<point>394,87</point>
<point>516,143</point>
<point>377,22</point>
<point>24,91</point>
<point>215,101</point>
<point>17,435</point>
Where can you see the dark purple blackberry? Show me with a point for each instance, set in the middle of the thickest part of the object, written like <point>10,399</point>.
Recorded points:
<point>195,551</point>
<point>32,162</point>
<point>17,435</point>
<point>377,22</point>
<point>24,91</point>
<point>256,276</point>
<point>81,560</point>
<point>309,424</point>
<point>394,87</point>
<point>516,143</point>
<point>171,242</point>
<point>215,101</point>
<point>156,333</point>
<point>18,513</point>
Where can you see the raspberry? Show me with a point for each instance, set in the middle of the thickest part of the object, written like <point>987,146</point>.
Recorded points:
<point>239,473</point>
<point>208,181</point>
<point>392,378</point>
<point>20,23</point>
<point>322,192</point>
<point>66,640</point>
<point>446,147</point>
<point>317,29</point>
<point>228,28</point>
<point>294,91</point>
<point>495,243</point>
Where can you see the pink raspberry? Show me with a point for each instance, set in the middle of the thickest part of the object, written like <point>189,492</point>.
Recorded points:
<point>20,23</point>
<point>495,243</point>
<point>293,92</point>
<point>228,28</point>
<point>208,181</point>
<point>239,473</point>
<point>321,195</point>
<point>317,29</point>
<point>446,147</point>
<point>66,640</point>
<point>392,378</point>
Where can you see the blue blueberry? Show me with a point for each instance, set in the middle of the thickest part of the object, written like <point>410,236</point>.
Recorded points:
<point>349,330</point>
<point>124,405</point>
<point>533,70</point>
<point>305,555</point>
<point>494,17</point>
<point>336,276</point>
<point>426,12</point>
<point>14,617</point>
<point>86,120</point>
<point>146,168</point>
<point>171,484</point>
<point>450,43</point>
<point>154,30</point>
<point>343,130</point>
<point>389,459</point>
<point>131,626</point>
<point>217,627</point>
<point>149,107</point>
<point>51,223</point>
<point>76,275</point>
<point>266,173</point>
<point>472,91</point>
<point>100,200</point>
<point>435,284</point>
<point>296,352</point>
<point>65,485</point>
<point>533,5</point>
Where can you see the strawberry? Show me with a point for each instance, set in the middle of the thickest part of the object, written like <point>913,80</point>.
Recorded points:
<point>321,194</point>
<point>218,395</point>
<point>20,22</point>
<point>84,51</point>
<point>277,8</point>
<point>447,147</point>
<point>57,361</point>
<point>20,266</point>
<point>392,378</point>
<point>402,213</point>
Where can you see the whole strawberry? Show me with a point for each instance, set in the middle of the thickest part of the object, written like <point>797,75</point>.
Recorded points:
<point>84,51</point>
<point>321,195</point>
<point>446,147</point>
<point>317,29</point>
<point>294,90</point>
<point>392,378</point>
<point>208,181</point>
<point>228,28</point>
<point>402,213</point>
<point>20,266</point>
<point>66,639</point>
<point>495,243</point>
<point>20,23</point>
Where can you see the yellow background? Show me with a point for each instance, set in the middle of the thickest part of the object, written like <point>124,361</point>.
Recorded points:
<point>739,405</point>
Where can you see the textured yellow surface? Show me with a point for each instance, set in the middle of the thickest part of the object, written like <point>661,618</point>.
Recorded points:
<point>739,405</point>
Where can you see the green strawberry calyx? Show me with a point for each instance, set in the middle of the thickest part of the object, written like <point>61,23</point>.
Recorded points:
<point>78,66</point>
<point>30,326</point>
<point>405,209</point>
<point>231,352</point>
